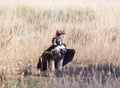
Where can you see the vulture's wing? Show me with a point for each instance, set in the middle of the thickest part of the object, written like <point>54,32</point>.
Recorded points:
<point>39,64</point>
<point>42,64</point>
<point>68,56</point>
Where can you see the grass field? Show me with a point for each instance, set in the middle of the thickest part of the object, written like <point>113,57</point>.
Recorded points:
<point>27,27</point>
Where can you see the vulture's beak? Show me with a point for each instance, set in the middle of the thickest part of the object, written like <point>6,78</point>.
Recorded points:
<point>63,33</point>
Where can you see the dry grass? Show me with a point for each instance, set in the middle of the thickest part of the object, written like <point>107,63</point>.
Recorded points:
<point>27,27</point>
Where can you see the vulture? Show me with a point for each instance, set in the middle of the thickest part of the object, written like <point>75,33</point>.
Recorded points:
<point>55,57</point>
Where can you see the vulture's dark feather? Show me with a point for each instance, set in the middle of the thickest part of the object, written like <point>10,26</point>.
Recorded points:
<point>68,56</point>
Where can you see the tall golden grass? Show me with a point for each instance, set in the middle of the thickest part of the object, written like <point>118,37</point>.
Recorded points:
<point>27,27</point>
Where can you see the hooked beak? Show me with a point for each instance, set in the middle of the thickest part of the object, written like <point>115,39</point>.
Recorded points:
<point>63,33</point>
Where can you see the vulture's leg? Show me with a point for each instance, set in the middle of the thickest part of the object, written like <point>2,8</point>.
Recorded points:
<point>52,65</point>
<point>59,64</point>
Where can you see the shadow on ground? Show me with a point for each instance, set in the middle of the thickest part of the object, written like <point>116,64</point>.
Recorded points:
<point>100,72</point>
<point>73,76</point>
